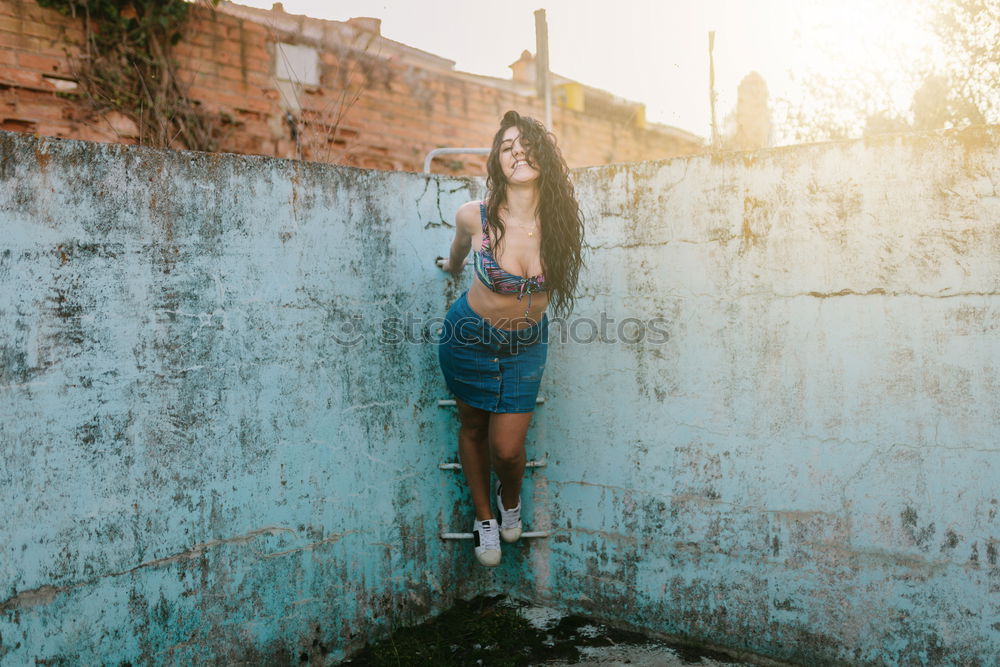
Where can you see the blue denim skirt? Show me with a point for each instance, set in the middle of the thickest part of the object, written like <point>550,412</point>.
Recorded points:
<point>497,370</point>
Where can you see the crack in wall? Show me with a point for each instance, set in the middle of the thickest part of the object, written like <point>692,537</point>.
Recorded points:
<point>45,594</point>
<point>331,539</point>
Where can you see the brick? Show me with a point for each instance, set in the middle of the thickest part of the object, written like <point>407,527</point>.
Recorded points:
<point>52,111</point>
<point>263,66</point>
<point>33,44</point>
<point>250,118</point>
<point>260,80</point>
<point>232,73</point>
<point>119,124</point>
<point>249,27</point>
<point>11,24</point>
<point>207,40</point>
<point>18,125</point>
<point>61,130</point>
<point>204,95</point>
<point>29,95</point>
<point>191,56</point>
<point>185,77</point>
<point>204,66</point>
<point>256,128</point>
<point>18,77</point>
<point>51,32</point>
<point>197,79</point>
<point>213,26</point>
<point>240,89</point>
<point>184,49</point>
<point>259,105</point>
<point>254,53</point>
<point>223,58</point>
<point>221,18</point>
<point>46,64</point>
<point>32,11</point>
<point>213,97</point>
<point>249,58</point>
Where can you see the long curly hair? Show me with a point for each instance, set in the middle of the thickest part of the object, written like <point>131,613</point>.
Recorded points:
<point>558,211</point>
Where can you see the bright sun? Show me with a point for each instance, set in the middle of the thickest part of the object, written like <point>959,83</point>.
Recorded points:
<point>870,49</point>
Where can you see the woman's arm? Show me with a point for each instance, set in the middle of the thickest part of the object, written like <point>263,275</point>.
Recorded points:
<point>466,221</point>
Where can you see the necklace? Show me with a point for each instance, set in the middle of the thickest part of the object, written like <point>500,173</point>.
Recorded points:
<point>531,230</point>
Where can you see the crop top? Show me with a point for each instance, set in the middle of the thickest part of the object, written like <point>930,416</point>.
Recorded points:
<point>495,278</point>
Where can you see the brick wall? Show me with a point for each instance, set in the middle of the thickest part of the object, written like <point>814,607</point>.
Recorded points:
<point>372,108</point>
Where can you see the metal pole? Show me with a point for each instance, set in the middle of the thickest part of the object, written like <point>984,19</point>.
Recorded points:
<point>711,88</point>
<point>542,64</point>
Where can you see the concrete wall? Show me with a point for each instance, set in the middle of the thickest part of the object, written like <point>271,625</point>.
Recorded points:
<point>809,467</point>
<point>195,469</point>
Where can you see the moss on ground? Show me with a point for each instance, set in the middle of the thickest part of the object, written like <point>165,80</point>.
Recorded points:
<point>483,630</point>
<point>491,631</point>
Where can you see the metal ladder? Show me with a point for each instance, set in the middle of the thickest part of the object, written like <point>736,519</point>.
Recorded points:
<point>453,465</point>
<point>451,151</point>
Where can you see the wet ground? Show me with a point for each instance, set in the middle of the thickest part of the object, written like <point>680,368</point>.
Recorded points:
<point>499,632</point>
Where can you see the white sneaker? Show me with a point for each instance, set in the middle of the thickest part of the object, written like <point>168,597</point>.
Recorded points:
<point>510,520</point>
<point>487,540</point>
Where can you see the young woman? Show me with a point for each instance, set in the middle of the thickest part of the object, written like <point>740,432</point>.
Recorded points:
<point>526,236</point>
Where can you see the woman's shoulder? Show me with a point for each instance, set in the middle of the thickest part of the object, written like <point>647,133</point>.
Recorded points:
<point>468,215</point>
<point>470,208</point>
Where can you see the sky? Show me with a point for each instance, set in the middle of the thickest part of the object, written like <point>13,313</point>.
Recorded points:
<point>655,51</point>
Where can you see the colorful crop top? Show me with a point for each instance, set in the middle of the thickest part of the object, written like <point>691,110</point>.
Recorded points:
<point>494,277</point>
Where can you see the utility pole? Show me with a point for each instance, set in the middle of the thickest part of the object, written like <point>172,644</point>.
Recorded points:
<point>711,88</point>
<point>542,83</point>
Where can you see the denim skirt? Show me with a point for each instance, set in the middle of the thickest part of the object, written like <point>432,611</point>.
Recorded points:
<point>497,370</point>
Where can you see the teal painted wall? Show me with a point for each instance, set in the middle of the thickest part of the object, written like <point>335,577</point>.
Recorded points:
<point>195,469</point>
<point>809,466</point>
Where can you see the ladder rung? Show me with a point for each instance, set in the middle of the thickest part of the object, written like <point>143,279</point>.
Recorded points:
<point>450,402</point>
<point>468,536</point>
<point>458,466</point>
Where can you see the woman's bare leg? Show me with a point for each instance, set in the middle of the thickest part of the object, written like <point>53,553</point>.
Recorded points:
<point>474,453</point>
<point>507,432</point>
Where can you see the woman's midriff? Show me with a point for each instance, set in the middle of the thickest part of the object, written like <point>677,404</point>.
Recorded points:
<point>505,311</point>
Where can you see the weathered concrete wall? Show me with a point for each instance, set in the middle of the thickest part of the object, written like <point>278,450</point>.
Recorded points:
<point>809,467</point>
<point>194,469</point>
